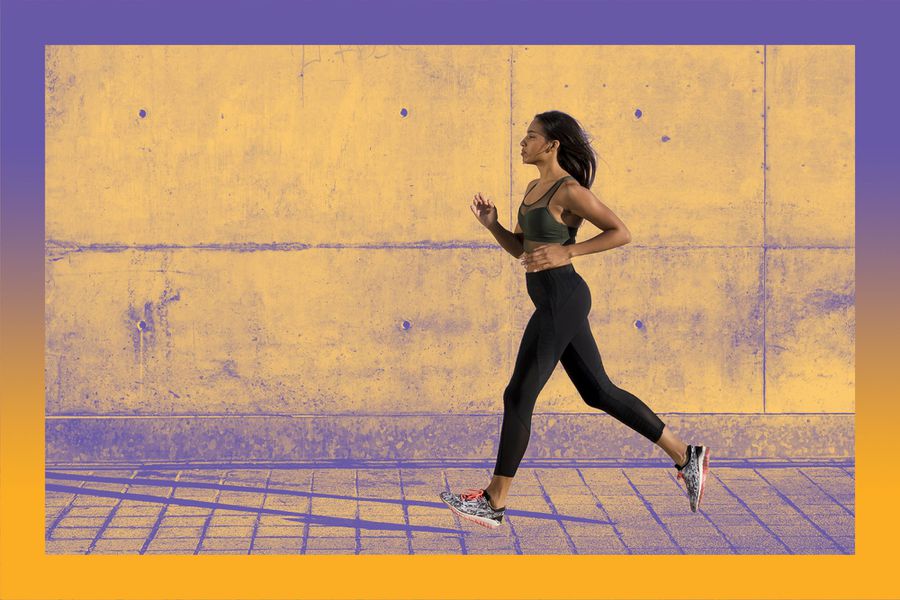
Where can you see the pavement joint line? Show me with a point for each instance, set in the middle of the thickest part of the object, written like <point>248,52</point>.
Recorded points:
<point>210,516</point>
<point>356,480</point>
<point>517,539</point>
<point>653,512</point>
<point>409,537</point>
<point>62,513</point>
<point>791,503</point>
<point>161,514</point>
<point>109,518</point>
<point>753,514</point>
<point>553,510</point>
<point>262,505</point>
<point>605,512</point>
<point>824,491</point>
<point>304,544</point>
<point>705,514</point>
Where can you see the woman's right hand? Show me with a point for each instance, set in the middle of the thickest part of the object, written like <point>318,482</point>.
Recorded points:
<point>484,210</point>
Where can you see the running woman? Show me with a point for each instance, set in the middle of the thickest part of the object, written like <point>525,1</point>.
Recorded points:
<point>553,208</point>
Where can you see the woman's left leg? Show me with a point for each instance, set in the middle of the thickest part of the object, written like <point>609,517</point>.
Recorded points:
<point>582,362</point>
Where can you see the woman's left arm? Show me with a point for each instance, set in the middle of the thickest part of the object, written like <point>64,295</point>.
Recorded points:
<point>582,201</point>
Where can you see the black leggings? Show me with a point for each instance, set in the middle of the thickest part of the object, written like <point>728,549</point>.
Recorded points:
<point>559,331</point>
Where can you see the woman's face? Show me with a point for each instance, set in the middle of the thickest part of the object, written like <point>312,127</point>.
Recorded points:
<point>534,140</point>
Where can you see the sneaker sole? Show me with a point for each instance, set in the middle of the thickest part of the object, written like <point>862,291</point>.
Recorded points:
<point>703,475</point>
<point>490,524</point>
<point>704,461</point>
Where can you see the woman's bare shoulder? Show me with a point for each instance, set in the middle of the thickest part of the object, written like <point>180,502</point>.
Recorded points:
<point>569,189</point>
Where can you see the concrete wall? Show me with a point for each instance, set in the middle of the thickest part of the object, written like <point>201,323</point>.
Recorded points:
<point>267,252</point>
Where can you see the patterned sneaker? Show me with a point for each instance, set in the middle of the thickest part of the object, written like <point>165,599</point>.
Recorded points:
<point>474,505</point>
<point>693,473</point>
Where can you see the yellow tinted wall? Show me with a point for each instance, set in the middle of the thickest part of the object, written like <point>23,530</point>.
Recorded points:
<point>265,231</point>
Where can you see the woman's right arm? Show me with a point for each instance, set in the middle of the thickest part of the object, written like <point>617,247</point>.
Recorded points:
<point>512,242</point>
<point>486,213</point>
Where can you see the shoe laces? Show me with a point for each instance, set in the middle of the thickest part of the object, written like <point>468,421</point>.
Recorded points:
<point>471,494</point>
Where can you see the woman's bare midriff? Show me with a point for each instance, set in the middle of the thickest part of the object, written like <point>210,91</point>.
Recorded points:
<point>530,245</point>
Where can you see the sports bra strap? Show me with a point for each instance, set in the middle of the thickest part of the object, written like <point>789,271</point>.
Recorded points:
<point>548,194</point>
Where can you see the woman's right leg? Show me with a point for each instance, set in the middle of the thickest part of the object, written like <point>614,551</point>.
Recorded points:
<point>582,362</point>
<point>519,398</point>
<point>562,301</point>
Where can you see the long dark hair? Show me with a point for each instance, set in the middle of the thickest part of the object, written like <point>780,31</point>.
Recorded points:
<point>575,153</point>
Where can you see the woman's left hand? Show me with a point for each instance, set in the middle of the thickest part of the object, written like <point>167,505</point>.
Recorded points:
<point>544,257</point>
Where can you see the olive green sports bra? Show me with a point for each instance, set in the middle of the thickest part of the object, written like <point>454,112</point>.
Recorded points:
<point>538,224</point>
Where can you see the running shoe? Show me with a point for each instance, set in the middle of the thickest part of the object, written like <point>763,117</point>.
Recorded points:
<point>474,505</point>
<point>694,473</point>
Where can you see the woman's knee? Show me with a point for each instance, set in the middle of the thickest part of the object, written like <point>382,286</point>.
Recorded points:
<point>600,402</point>
<point>605,396</point>
<point>517,400</point>
<point>512,396</point>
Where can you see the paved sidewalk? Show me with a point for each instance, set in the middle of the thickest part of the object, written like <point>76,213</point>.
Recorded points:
<point>603,507</point>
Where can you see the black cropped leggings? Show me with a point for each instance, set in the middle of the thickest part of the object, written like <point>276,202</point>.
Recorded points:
<point>558,331</point>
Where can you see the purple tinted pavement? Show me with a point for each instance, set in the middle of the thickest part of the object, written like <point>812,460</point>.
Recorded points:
<point>604,507</point>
